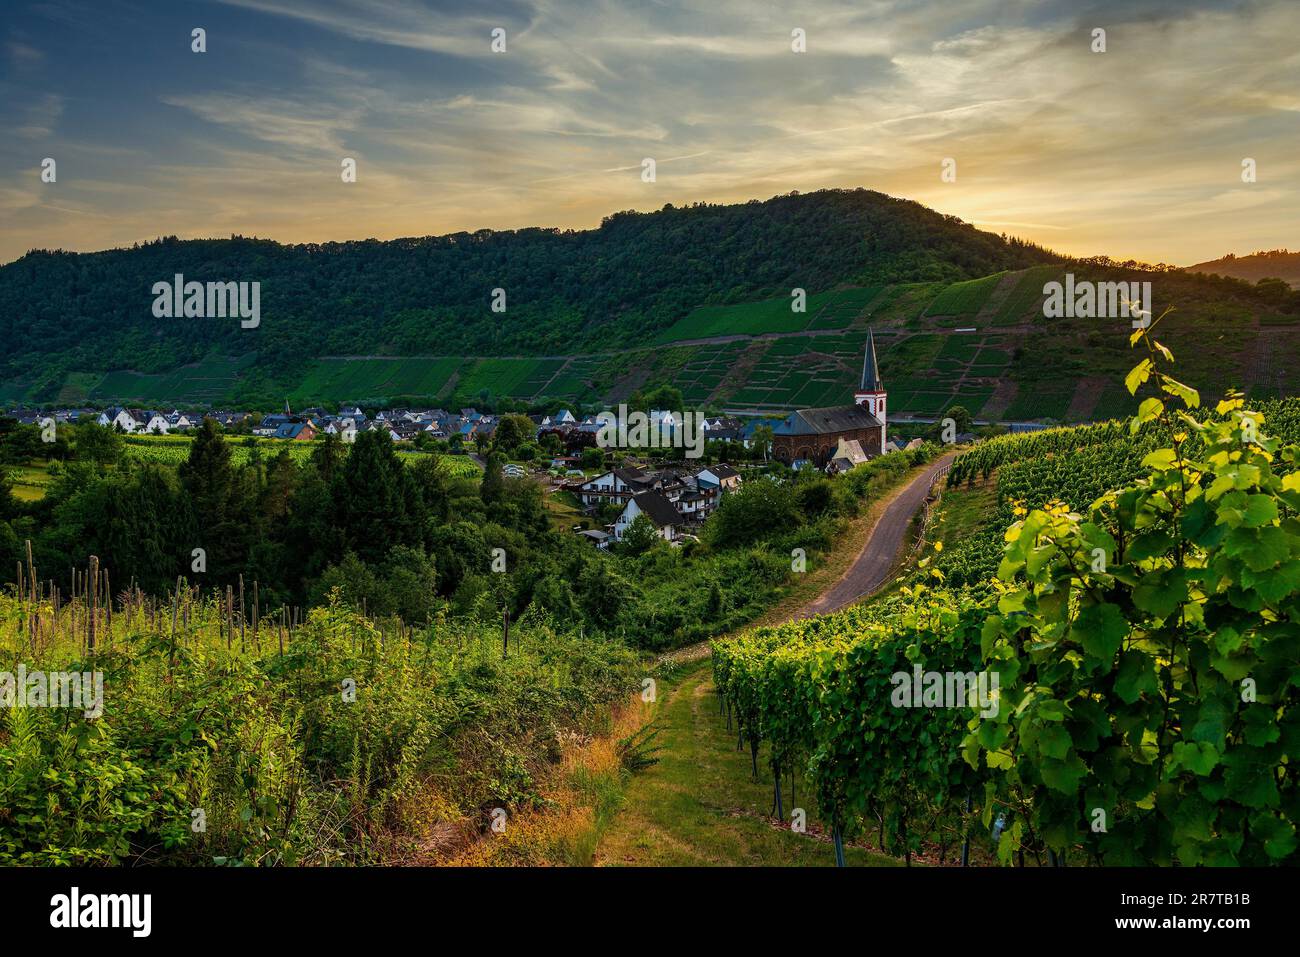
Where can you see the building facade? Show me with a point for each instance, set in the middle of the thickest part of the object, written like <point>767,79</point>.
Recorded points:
<point>815,435</point>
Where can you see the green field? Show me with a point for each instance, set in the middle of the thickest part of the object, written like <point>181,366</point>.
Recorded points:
<point>205,382</point>
<point>964,298</point>
<point>29,481</point>
<point>1026,299</point>
<point>517,378</point>
<point>357,379</point>
<point>174,449</point>
<point>824,310</point>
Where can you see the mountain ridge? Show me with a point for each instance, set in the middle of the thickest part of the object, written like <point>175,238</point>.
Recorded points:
<point>636,272</point>
<point>696,297</point>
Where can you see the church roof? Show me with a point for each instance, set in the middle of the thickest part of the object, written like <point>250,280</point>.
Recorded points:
<point>840,418</point>
<point>870,368</point>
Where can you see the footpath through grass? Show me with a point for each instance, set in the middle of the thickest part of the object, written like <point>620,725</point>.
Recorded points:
<point>701,806</point>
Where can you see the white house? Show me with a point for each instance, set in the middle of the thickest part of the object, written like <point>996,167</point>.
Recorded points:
<point>618,485</point>
<point>654,506</point>
<point>129,420</point>
<point>721,476</point>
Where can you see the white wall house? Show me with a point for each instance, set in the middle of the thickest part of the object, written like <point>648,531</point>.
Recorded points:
<point>156,424</point>
<point>129,421</point>
<point>618,485</point>
<point>720,476</point>
<point>655,507</point>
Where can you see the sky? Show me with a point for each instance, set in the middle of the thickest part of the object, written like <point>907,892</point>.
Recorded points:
<point>1134,152</point>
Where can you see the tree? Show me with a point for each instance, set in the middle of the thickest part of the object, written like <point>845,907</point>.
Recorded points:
<point>96,443</point>
<point>640,536</point>
<point>961,416</point>
<point>376,502</point>
<point>209,482</point>
<point>489,489</point>
<point>757,510</point>
<point>667,398</point>
<point>511,432</point>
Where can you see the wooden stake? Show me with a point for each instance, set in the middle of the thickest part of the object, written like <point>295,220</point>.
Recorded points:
<point>94,597</point>
<point>108,611</point>
<point>176,600</point>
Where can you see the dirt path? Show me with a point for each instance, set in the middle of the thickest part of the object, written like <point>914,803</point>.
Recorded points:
<point>703,804</point>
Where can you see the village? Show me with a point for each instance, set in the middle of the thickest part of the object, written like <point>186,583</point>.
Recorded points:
<point>610,485</point>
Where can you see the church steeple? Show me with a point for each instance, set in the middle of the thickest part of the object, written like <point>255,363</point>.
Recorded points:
<point>871,391</point>
<point>870,368</point>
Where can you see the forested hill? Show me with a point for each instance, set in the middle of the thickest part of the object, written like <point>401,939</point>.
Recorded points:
<point>1272,264</point>
<point>566,291</point>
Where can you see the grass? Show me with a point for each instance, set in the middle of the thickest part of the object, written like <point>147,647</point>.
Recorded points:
<point>208,381</point>
<point>963,511</point>
<point>750,318</point>
<point>563,510</point>
<point>964,298</point>
<point>824,310</point>
<point>30,480</point>
<point>520,378</point>
<point>1025,301</point>
<point>700,805</point>
<point>358,379</point>
<point>174,449</point>
<point>580,802</point>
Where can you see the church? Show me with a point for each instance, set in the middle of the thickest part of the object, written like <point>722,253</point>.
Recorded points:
<point>823,436</point>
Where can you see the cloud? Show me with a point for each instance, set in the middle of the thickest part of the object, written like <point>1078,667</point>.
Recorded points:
<point>38,120</point>
<point>21,56</point>
<point>294,122</point>
<point>1134,152</point>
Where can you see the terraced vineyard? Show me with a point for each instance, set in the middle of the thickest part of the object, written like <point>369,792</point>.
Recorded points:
<point>964,298</point>
<point>767,359</point>
<point>1072,465</point>
<point>827,310</point>
<point>373,377</point>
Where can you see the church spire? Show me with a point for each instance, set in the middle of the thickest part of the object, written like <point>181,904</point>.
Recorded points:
<point>870,369</point>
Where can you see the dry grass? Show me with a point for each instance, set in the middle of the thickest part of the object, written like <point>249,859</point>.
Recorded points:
<point>580,797</point>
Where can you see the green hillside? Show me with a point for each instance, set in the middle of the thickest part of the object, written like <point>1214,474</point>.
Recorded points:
<point>566,292</point>
<point>692,298</point>
<point>767,359</point>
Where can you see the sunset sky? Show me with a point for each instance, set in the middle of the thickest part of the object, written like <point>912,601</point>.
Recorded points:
<point>1135,152</point>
